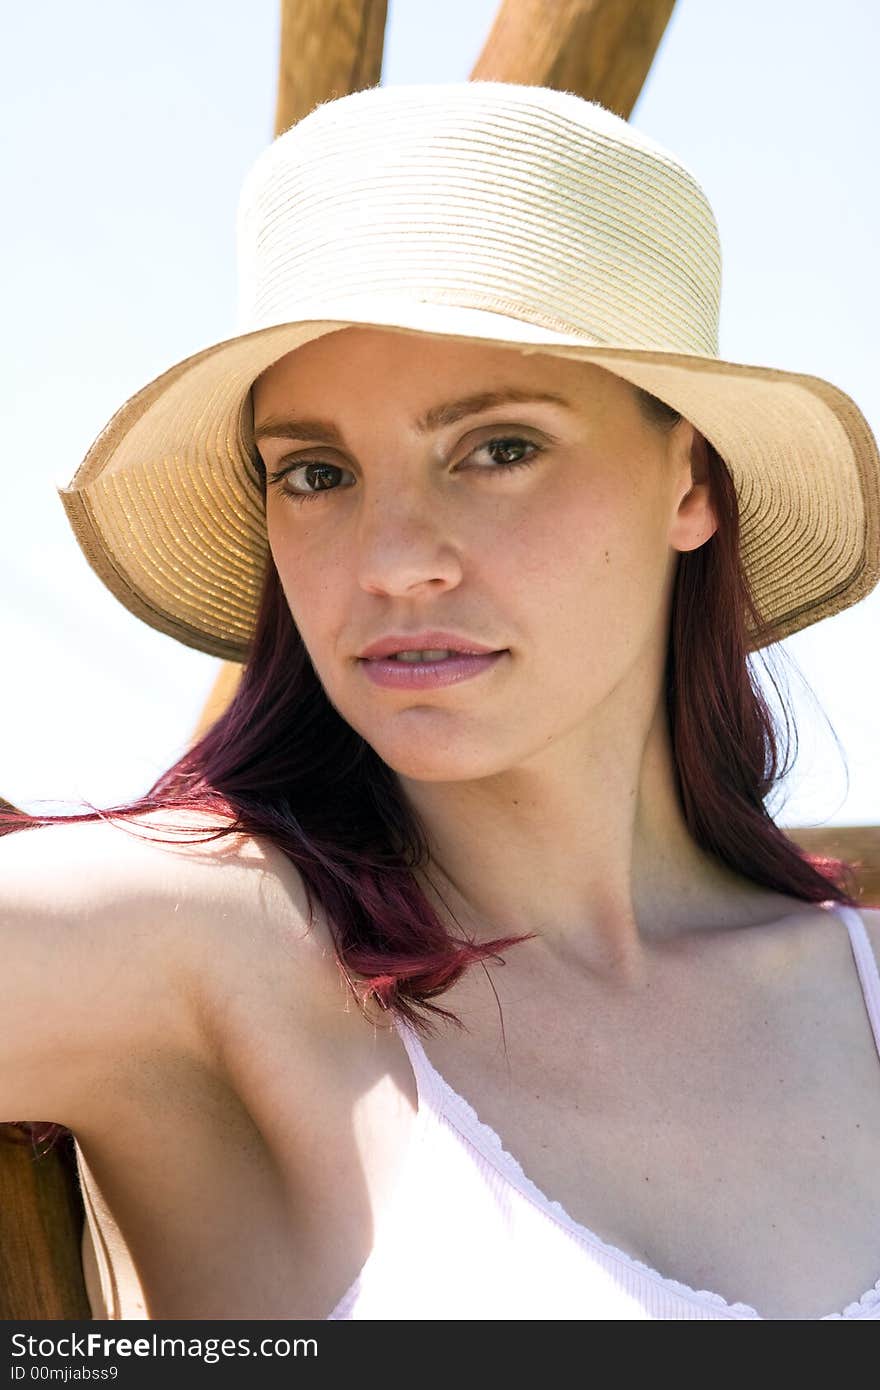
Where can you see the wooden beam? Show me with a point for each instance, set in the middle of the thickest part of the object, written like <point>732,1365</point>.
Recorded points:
<point>219,697</point>
<point>41,1222</point>
<point>328,49</point>
<point>600,49</point>
<point>859,845</point>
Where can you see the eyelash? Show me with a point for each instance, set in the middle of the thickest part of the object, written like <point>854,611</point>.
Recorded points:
<point>280,473</point>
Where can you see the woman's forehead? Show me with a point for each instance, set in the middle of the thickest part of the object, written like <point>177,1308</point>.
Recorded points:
<point>376,356</point>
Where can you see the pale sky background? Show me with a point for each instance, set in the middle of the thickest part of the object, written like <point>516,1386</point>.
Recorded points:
<point>127,131</point>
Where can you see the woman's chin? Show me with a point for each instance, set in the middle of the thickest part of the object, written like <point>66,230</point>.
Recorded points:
<point>431,744</point>
<point>428,761</point>
<point>437,768</point>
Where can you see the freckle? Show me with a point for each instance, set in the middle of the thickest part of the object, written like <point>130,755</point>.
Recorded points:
<point>606,557</point>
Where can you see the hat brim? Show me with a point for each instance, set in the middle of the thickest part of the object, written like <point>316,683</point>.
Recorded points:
<point>168,509</point>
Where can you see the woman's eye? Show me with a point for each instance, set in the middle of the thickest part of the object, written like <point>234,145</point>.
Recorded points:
<point>512,444</point>
<point>310,468</point>
<point>313,473</point>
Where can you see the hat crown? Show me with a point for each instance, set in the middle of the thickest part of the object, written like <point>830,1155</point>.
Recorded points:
<point>525,201</point>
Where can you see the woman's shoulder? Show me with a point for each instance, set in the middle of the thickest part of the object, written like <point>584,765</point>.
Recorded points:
<point>146,865</point>
<point>819,964</point>
<point>142,936</point>
<point>232,902</point>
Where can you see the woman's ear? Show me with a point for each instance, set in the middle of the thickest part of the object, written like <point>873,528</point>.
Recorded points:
<point>695,520</point>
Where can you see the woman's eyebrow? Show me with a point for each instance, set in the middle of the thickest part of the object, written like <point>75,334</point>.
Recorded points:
<point>449,413</point>
<point>452,411</point>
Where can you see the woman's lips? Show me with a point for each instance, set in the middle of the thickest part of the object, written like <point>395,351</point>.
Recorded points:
<point>427,675</point>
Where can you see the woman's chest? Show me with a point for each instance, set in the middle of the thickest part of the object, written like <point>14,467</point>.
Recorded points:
<point>733,1154</point>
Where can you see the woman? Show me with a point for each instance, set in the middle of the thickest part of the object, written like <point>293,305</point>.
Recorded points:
<point>475,407</point>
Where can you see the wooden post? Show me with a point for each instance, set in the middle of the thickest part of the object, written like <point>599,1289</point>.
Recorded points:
<point>859,845</point>
<point>328,48</point>
<point>41,1222</point>
<point>600,49</point>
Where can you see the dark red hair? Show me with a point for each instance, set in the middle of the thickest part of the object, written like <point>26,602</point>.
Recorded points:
<point>281,763</point>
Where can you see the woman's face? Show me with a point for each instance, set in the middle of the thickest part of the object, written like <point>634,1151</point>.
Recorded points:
<point>386,523</point>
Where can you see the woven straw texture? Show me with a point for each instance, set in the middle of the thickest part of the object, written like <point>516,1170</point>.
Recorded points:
<point>521,216</point>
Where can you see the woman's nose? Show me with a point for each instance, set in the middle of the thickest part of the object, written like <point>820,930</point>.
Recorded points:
<point>404,538</point>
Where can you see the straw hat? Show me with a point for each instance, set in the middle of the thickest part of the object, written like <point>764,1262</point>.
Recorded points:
<point>488,211</point>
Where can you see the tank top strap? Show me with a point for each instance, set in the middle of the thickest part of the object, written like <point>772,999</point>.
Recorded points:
<point>866,964</point>
<point>428,1087</point>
